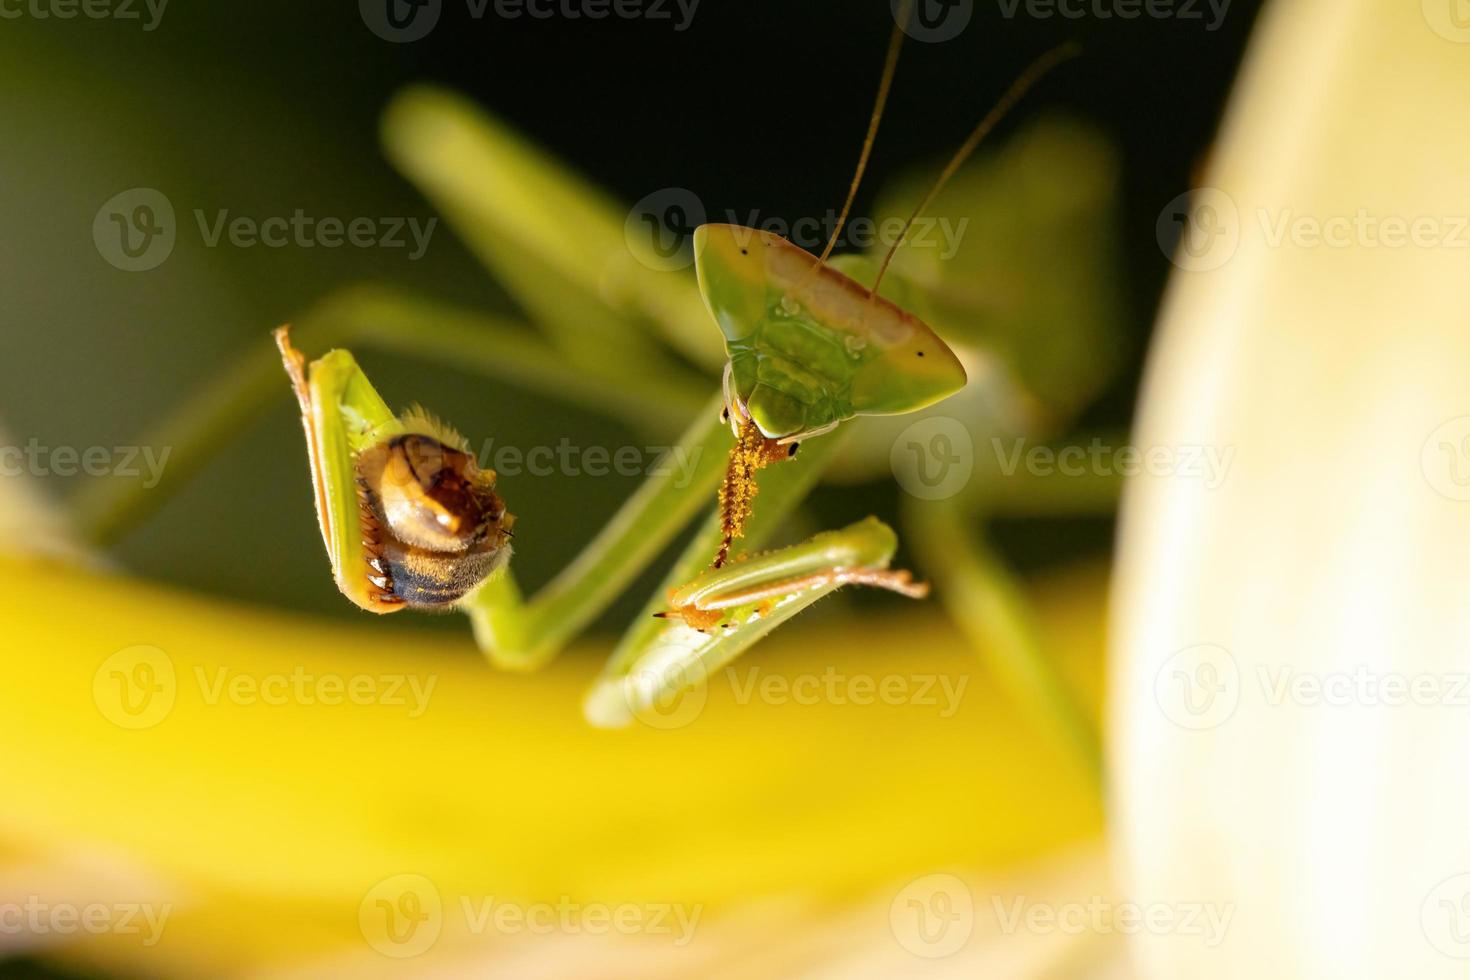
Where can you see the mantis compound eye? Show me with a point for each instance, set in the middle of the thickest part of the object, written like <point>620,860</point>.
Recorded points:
<point>436,525</point>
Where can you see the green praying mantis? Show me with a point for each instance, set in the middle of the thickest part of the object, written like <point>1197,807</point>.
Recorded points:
<point>815,351</point>
<point>410,520</point>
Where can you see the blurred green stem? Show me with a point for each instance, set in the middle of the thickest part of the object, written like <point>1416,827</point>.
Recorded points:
<point>1087,491</point>
<point>106,508</point>
<point>985,600</point>
<point>522,635</point>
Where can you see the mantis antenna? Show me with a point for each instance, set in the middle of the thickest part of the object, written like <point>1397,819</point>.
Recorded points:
<point>1033,74</point>
<point>890,65</point>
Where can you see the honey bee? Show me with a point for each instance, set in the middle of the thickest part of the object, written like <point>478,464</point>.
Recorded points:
<point>408,516</point>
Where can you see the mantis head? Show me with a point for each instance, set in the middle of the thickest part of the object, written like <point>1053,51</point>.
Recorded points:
<point>810,347</point>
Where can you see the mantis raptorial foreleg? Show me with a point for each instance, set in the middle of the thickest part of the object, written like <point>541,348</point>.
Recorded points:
<point>432,533</point>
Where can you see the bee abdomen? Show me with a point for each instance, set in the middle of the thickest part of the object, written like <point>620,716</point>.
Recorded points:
<point>435,580</point>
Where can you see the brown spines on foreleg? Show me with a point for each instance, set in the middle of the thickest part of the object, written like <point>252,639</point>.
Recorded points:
<point>752,451</point>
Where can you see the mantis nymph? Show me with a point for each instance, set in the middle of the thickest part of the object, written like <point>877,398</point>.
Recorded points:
<point>410,519</point>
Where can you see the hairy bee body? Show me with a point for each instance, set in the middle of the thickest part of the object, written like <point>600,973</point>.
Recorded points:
<point>433,526</point>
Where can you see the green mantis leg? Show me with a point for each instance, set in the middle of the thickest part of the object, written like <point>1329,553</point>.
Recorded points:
<point>106,508</point>
<point>724,611</point>
<point>523,634</point>
<point>855,555</point>
<point>657,657</point>
<point>342,414</point>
